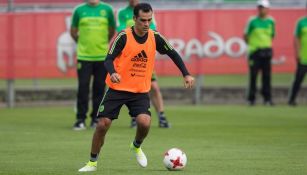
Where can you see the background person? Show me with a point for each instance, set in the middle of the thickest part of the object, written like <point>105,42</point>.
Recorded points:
<point>93,25</point>
<point>259,34</point>
<point>300,45</point>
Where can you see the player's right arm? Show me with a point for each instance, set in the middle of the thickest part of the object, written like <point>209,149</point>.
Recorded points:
<point>74,32</point>
<point>248,29</point>
<point>116,48</point>
<point>297,43</point>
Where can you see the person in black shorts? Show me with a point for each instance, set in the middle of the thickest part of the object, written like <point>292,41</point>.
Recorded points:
<point>125,19</point>
<point>92,27</point>
<point>130,63</point>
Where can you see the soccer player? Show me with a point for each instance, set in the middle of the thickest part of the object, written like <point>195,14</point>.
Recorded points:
<point>300,45</point>
<point>125,19</point>
<point>130,63</point>
<point>259,34</point>
<point>93,26</point>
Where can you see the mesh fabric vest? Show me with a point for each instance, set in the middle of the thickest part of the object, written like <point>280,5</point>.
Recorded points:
<point>135,64</point>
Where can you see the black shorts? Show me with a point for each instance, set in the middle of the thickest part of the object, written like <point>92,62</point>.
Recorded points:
<point>113,100</point>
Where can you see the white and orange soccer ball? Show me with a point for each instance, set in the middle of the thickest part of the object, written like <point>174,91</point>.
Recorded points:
<point>175,159</point>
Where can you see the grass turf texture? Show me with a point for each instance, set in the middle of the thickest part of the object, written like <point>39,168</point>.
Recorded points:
<point>218,140</point>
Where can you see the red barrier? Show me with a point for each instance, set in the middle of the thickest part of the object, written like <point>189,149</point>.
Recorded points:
<point>211,40</point>
<point>18,2</point>
<point>30,46</point>
<point>38,45</point>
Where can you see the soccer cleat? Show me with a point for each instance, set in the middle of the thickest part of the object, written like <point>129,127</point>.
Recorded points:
<point>90,166</point>
<point>139,154</point>
<point>268,103</point>
<point>133,123</point>
<point>251,103</point>
<point>94,124</point>
<point>163,123</point>
<point>79,125</point>
<point>292,103</point>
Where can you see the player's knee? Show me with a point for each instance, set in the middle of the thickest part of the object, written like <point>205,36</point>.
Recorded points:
<point>103,125</point>
<point>143,121</point>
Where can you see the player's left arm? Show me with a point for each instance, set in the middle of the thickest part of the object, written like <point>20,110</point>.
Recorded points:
<point>164,47</point>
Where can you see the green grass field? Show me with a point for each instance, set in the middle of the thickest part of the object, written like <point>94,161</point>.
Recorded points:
<point>218,140</point>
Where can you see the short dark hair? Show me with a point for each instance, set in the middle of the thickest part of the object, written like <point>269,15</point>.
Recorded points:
<point>145,7</point>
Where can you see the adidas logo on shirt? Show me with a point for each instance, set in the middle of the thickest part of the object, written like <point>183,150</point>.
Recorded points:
<point>140,57</point>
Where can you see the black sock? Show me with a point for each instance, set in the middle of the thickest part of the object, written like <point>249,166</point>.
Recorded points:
<point>137,143</point>
<point>94,157</point>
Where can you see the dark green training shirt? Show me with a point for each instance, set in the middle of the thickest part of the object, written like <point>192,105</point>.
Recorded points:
<point>260,33</point>
<point>93,23</point>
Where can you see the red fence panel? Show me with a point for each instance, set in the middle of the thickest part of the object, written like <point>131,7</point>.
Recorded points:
<point>211,41</point>
<point>38,45</point>
<point>31,2</point>
<point>30,48</point>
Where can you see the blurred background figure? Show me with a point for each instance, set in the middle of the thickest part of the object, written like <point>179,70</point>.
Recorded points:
<point>66,48</point>
<point>259,33</point>
<point>93,26</point>
<point>125,19</point>
<point>300,45</point>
